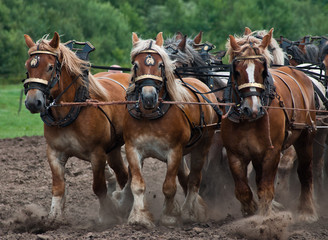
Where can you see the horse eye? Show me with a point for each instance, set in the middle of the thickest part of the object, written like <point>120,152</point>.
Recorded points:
<point>50,68</point>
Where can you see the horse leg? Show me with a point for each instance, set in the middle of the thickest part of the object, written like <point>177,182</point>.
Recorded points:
<point>214,172</point>
<point>304,149</point>
<point>183,174</point>
<point>318,163</point>
<point>171,209</point>
<point>108,211</point>
<point>243,192</point>
<point>194,208</point>
<point>57,161</point>
<point>139,214</point>
<point>115,161</point>
<point>266,170</point>
<point>285,168</point>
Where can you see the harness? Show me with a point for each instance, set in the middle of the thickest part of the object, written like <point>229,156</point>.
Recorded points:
<point>162,109</point>
<point>291,122</point>
<point>267,93</point>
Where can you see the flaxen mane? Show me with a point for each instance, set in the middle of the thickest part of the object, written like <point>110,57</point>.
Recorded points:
<point>174,87</point>
<point>74,66</point>
<point>249,46</point>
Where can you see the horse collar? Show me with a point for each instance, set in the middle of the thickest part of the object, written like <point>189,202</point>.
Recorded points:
<point>80,96</point>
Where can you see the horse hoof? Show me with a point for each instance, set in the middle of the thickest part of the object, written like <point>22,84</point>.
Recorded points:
<point>196,211</point>
<point>249,210</point>
<point>144,223</point>
<point>167,220</point>
<point>143,218</point>
<point>308,218</point>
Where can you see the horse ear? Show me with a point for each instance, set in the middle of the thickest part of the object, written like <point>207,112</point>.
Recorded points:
<point>135,38</point>
<point>234,45</point>
<point>248,31</point>
<point>198,38</point>
<point>178,36</point>
<point>159,39</point>
<point>182,44</point>
<point>28,40</point>
<point>54,43</point>
<point>301,46</point>
<point>266,40</point>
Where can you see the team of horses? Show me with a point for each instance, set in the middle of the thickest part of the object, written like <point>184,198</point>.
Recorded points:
<point>261,112</point>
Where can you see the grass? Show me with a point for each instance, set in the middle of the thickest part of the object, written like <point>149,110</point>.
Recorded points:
<point>12,123</point>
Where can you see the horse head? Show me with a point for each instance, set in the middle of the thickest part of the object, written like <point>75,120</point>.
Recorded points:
<point>300,52</point>
<point>148,73</point>
<point>249,74</point>
<point>43,72</point>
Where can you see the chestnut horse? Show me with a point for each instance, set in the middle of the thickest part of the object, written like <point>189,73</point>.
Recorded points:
<point>306,56</point>
<point>166,132</point>
<point>93,134</point>
<point>274,110</point>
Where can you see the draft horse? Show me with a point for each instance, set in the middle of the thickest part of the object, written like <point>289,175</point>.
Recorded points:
<point>273,110</point>
<point>94,134</point>
<point>306,56</point>
<point>166,132</point>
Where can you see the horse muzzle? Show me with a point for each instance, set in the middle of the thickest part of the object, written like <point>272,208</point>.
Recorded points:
<point>149,97</point>
<point>35,101</point>
<point>253,112</point>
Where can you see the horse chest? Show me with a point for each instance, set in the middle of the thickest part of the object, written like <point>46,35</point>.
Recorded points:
<point>68,143</point>
<point>152,146</point>
<point>245,143</point>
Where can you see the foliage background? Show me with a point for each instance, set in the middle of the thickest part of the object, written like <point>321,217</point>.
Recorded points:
<point>108,24</point>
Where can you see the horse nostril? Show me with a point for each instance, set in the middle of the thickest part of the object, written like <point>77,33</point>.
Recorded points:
<point>39,103</point>
<point>247,111</point>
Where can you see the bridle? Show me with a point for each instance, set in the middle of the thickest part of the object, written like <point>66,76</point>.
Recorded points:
<point>37,83</point>
<point>158,82</point>
<point>149,79</point>
<point>45,86</point>
<point>255,85</point>
<point>266,94</point>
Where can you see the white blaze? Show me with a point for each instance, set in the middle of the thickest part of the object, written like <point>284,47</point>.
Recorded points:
<point>251,78</point>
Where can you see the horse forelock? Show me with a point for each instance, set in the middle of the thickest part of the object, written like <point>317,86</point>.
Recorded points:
<point>248,46</point>
<point>73,65</point>
<point>175,89</point>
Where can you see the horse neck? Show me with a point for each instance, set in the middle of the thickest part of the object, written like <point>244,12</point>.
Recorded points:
<point>66,91</point>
